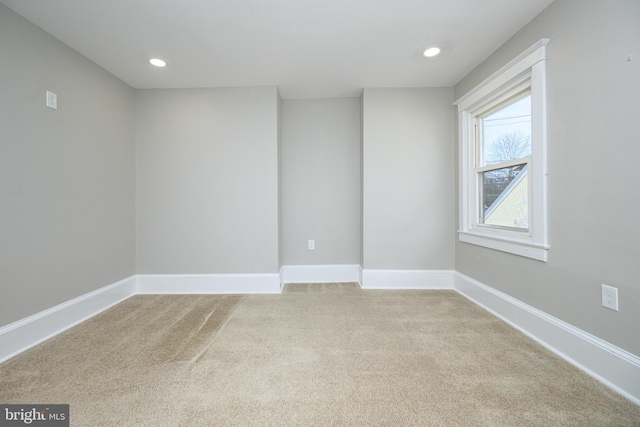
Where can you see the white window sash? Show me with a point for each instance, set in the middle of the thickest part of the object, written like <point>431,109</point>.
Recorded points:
<point>528,69</point>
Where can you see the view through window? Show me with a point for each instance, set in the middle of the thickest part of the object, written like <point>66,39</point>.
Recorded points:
<point>505,138</point>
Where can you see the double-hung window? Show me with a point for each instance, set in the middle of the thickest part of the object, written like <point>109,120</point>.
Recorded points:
<point>502,131</point>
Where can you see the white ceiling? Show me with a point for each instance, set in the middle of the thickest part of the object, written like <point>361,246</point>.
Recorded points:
<point>308,48</point>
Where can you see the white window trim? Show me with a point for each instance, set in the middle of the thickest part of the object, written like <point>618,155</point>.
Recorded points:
<point>528,66</point>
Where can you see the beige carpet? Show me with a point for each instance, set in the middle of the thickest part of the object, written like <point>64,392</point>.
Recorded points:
<point>316,355</point>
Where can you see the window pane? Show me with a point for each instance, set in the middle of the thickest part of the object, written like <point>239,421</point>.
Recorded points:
<point>506,133</point>
<point>505,197</point>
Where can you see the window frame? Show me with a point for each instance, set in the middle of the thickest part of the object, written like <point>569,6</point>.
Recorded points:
<point>526,71</point>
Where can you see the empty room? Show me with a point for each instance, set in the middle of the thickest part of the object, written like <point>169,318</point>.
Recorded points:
<point>278,212</point>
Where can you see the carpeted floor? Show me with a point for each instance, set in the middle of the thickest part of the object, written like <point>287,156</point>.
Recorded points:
<point>316,355</point>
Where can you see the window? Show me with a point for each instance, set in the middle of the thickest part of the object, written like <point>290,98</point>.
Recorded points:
<point>502,158</point>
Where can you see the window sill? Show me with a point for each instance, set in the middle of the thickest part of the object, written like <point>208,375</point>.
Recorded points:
<point>505,244</point>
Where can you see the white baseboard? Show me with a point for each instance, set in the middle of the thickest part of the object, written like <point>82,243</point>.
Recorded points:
<point>268,283</point>
<point>321,273</point>
<point>407,279</point>
<point>30,331</point>
<point>609,364</point>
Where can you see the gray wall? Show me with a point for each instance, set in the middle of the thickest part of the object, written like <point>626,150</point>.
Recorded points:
<point>321,181</point>
<point>207,180</point>
<point>408,179</point>
<point>66,175</point>
<point>593,150</point>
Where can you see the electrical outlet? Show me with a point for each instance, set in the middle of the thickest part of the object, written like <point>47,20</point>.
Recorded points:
<point>312,245</point>
<point>52,100</point>
<point>610,297</point>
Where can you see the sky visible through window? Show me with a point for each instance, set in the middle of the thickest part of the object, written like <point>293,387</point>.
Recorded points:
<point>506,136</point>
<point>507,132</point>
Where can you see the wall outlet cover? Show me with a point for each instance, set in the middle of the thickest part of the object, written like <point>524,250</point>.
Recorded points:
<point>52,100</point>
<point>610,297</point>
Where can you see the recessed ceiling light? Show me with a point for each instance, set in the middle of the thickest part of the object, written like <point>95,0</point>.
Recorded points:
<point>157,62</point>
<point>431,52</point>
